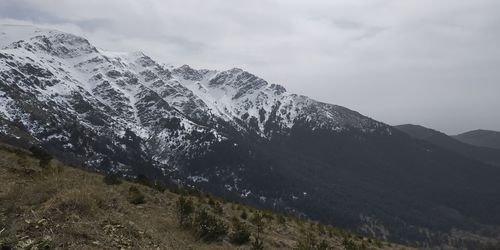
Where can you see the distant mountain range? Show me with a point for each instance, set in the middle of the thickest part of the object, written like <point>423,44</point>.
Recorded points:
<point>481,153</point>
<point>235,135</point>
<point>481,138</point>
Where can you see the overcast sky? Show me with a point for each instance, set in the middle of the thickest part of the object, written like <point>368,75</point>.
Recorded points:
<point>429,62</point>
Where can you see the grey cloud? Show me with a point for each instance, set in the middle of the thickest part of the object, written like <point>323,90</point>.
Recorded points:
<point>370,32</point>
<point>427,62</point>
<point>91,24</point>
<point>346,24</point>
<point>23,10</point>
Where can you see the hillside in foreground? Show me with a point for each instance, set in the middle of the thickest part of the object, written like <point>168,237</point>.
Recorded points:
<point>45,205</point>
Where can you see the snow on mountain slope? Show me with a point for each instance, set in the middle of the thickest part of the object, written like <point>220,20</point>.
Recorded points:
<point>238,96</point>
<point>65,79</point>
<point>104,92</point>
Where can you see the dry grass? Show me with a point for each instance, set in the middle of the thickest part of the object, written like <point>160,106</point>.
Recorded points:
<point>67,208</point>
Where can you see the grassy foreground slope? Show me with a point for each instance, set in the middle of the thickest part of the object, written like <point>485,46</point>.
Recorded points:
<point>49,205</point>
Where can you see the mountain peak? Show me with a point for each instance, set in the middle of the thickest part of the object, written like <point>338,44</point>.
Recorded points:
<point>238,79</point>
<point>10,33</point>
<point>60,44</point>
<point>187,73</point>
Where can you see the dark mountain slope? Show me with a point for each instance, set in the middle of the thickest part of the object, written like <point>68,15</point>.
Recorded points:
<point>482,138</point>
<point>342,177</point>
<point>487,155</point>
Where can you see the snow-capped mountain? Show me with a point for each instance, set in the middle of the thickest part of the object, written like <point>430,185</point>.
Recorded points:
<point>65,79</point>
<point>236,135</point>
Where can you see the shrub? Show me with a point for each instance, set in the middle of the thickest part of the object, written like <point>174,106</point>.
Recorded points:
<point>257,244</point>
<point>306,243</point>
<point>159,187</point>
<point>241,234</point>
<point>333,232</point>
<point>112,179</point>
<point>350,245</point>
<point>268,216</point>
<point>257,220</point>
<point>41,155</point>
<point>82,201</point>
<point>208,227</point>
<point>135,196</point>
<point>309,242</point>
<point>211,201</point>
<point>143,180</point>
<point>321,229</point>
<point>194,192</point>
<point>217,208</point>
<point>175,189</point>
<point>244,215</point>
<point>54,168</point>
<point>323,245</point>
<point>184,210</point>
<point>281,219</point>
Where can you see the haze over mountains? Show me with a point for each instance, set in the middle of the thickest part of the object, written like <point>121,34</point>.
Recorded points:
<point>235,135</point>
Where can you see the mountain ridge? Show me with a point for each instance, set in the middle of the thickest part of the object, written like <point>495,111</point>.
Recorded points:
<point>483,154</point>
<point>174,95</point>
<point>480,137</point>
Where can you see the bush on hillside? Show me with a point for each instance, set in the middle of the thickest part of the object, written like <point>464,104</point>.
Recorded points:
<point>112,179</point>
<point>41,155</point>
<point>135,196</point>
<point>241,234</point>
<point>159,187</point>
<point>211,201</point>
<point>143,180</point>
<point>258,220</point>
<point>309,242</point>
<point>257,243</point>
<point>350,245</point>
<point>208,227</point>
<point>244,215</point>
<point>217,207</point>
<point>281,219</point>
<point>185,208</point>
